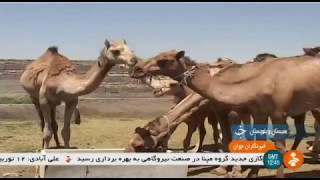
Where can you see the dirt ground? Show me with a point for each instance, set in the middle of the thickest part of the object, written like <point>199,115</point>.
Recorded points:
<point>24,136</point>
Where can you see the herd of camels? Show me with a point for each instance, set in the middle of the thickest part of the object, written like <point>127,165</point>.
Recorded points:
<point>224,92</point>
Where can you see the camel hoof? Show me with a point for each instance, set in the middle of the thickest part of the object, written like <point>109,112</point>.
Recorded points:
<point>252,175</point>
<point>234,175</point>
<point>195,150</point>
<point>315,150</point>
<point>219,171</point>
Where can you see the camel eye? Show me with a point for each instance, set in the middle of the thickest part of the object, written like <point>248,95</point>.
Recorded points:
<point>163,63</point>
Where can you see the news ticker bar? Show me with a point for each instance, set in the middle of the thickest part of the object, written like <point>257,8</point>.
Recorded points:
<point>131,159</point>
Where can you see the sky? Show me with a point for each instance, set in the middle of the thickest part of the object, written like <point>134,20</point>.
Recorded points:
<point>205,31</point>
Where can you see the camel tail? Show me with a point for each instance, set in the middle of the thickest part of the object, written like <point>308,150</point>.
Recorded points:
<point>53,49</point>
<point>76,116</point>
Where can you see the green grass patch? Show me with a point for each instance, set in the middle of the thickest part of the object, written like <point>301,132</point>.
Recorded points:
<point>19,99</point>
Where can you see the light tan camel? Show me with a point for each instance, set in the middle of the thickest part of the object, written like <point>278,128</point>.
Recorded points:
<point>163,85</point>
<point>276,90</point>
<point>51,79</point>
<point>299,120</point>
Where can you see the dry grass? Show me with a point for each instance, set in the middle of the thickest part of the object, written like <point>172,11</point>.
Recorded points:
<point>25,136</point>
<point>16,99</point>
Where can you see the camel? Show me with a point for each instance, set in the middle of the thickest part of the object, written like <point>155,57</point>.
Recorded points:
<point>153,137</point>
<point>312,51</point>
<point>168,86</point>
<point>180,92</point>
<point>276,91</point>
<point>299,120</point>
<point>263,56</point>
<point>221,114</point>
<point>51,79</point>
<point>274,98</point>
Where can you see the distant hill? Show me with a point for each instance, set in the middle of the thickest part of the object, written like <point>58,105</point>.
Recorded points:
<point>116,83</point>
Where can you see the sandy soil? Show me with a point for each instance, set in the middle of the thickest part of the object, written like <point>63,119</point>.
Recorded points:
<point>24,136</point>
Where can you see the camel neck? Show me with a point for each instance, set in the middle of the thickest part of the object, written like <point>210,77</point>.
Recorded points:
<point>218,91</point>
<point>168,122</point>
<point>93,77</point>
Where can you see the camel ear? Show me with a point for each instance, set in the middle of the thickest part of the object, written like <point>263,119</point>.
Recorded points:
<point>142,132</point>
<point>179,55</point>
<point>221,65</point>
<point>137,129</point>
<point>107,43</point>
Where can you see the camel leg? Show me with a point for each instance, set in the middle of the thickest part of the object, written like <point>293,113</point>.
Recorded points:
<point>214,123</point>
<point>37,106</point>
<point>245,118</point>
<point>226,130</point>
<point>202,132</point>
<point>281,146</point>
<point>300,129</point>
<point>47,130</point>
<point>55,126</point>
<point>235,119</point>
<point>316,115</point>
<point>317,136</point>
<point>76,118</point>
<point>65,132</point>
<point>226,139</point>
<point>280,119</point>
<point>192,126</point>
<point>259,119</point>
<point>54,123</point>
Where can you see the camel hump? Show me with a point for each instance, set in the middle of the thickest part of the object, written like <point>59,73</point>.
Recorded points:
<point>312,51</point>
<point>53,49</point>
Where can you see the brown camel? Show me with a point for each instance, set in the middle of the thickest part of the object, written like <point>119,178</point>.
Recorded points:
<point>299,120</point>
<point>180,92</point>
<point>153,137</point>
<point>222,114</point>
<point>138,72</point>
<point>274,96</point>
<point>51,79</point>
<point>276,90</point>
<point>312,51</point>
<point>168,86</point>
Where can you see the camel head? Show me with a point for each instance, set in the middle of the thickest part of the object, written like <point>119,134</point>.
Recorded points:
<point>171,63</point>
<point>161,85</point>
<point>118,53</point>
<point>149,138</point>
<point>141,141</point>
<point>225,60</point>
<point>167,89</point>
<point>263,56</point>
<point>311,51</point>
